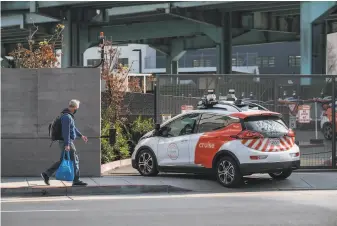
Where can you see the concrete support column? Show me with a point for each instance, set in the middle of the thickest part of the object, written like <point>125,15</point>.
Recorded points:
<point>218,59</point>
<point>171,65</point>
<point>83,42</point>
<point>67,43</point>
<point>310,11</point>
<point>75,55</point>
<point>318,48</point>
<point>175,66</point>
<point>75,36</point>
<point>224,48</point>
<point>3,50</point>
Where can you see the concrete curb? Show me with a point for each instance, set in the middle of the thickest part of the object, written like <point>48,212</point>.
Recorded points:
<point>114,165</point>
<point>89,190</point>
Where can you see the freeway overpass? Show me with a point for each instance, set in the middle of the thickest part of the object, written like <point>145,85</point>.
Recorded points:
<point>174,27</point>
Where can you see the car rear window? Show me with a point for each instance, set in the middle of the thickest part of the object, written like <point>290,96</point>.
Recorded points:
<point>268,126</point>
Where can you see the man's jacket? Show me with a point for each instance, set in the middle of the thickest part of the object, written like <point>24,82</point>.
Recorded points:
<point>69,130</point>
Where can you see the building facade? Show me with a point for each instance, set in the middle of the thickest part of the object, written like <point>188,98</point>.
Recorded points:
<point>270,58</point>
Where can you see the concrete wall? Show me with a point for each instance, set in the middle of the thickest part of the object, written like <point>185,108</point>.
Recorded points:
<point>30,100</point>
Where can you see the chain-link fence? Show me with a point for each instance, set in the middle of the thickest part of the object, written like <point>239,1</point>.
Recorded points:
<point>304,101</point>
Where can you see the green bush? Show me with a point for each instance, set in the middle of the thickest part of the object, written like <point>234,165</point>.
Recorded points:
<point>120,150</point>
<point>127,135</point>
<point>141,125</point>
<point>108,153</point>
<point>121,146</point>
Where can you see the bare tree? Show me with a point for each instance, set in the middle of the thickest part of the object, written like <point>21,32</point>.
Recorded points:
<point>117,81</point>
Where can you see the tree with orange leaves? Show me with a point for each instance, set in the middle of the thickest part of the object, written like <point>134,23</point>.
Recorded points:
<point>41,56</point>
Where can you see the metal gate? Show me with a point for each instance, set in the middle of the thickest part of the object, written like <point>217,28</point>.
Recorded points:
<point>302,100</point>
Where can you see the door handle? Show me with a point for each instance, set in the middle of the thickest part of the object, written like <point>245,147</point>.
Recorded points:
<point>184,140</point>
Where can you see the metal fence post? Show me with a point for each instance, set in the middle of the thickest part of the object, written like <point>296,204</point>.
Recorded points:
<point>333,118</point>
<point>155,97</point>
<point>275,94</point>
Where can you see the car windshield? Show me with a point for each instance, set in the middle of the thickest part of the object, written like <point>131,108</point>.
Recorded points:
<point>268,126</point>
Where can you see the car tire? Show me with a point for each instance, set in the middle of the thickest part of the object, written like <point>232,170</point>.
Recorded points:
<point>327,131</point>
<point>228,173</point>
<point>282,175</point>
<point>146,163</point>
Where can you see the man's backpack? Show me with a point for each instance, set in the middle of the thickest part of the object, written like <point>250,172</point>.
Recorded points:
<point>55,129</point>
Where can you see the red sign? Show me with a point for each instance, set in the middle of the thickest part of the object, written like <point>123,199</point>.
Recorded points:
<point>293,108</point>
<point>186,108</point>
<point>304,114</point>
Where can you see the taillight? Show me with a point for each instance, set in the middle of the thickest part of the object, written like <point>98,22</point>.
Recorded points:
<point>297,154</point>
<point>258,157</point>
<point>247,134</point>
<point>291,133</point>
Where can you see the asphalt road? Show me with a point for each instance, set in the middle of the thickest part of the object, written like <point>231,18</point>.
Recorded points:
<point>261,208</point>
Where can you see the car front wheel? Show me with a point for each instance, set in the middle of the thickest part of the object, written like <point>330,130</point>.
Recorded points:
<point>281,175</point>
<point>146,163</point>
<point>228,173</point>
<point>327,131</point>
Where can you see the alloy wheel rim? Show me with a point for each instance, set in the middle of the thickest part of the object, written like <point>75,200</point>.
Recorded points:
<point>328,132</point>
<point>226,172</point>
<point>145,163</point>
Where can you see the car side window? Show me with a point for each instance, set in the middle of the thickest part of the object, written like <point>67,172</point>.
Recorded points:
<point>212,122</point>
<point>184,125</point>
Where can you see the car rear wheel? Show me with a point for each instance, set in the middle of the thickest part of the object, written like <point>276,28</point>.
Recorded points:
<point>146,163</point>
<point>327,131</point>
<point>281,175</point>
<point>228,173</point>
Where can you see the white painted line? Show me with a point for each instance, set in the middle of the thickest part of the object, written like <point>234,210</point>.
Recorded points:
<point>209,195</point>
<point>33,211</point>
<point>271,194</point>
<point>29,199</point>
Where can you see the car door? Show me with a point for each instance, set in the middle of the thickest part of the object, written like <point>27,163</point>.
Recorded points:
<point>173,144</point>
<point>210,135</point>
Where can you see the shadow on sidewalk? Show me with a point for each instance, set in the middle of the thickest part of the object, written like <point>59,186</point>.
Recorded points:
<point>250,183</point>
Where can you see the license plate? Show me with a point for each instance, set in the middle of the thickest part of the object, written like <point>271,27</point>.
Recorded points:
<point>274,142</point>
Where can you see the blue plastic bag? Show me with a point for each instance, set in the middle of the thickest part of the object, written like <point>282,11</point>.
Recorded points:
<point>65,172</point>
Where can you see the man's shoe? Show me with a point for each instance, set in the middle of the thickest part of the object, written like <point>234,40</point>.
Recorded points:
<point>45,178</point>
<point>79,183</point>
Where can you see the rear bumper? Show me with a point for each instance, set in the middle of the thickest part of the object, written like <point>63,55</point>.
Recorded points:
<point>251,168</point>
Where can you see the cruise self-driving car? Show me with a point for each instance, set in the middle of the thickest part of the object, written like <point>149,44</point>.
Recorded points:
<point>226,143</point>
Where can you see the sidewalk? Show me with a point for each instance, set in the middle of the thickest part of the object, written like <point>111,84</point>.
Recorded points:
<point>164,183</point>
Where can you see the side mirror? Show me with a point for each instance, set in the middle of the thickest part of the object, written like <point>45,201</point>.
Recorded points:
<point>157,129</point>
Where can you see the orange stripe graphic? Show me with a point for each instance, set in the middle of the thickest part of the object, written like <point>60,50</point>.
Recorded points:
<point>264,145</point>
<point>209,144</point>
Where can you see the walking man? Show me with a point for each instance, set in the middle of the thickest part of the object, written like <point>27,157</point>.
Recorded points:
<point>69,134</point>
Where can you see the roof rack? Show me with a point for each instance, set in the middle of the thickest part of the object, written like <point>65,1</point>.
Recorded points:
<point>209,101</point>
